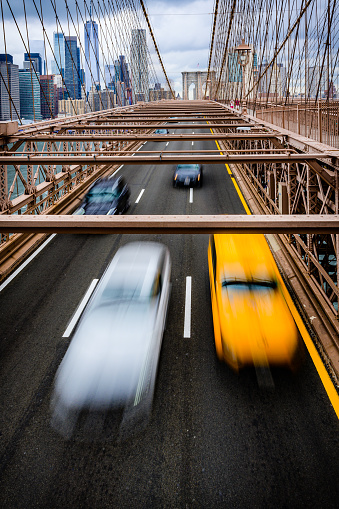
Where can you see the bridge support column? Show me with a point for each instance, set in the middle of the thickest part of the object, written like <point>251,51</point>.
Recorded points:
<point>283,198</point>
<point>271,185</point>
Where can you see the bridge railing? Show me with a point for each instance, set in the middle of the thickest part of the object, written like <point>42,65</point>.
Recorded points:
<point>319,122</point>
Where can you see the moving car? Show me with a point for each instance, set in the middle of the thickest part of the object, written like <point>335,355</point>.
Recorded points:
<point>188,175</point>
<point>107,196</point>
<point>252,322</point>
<point>112,360</point>
<point>161,131</point>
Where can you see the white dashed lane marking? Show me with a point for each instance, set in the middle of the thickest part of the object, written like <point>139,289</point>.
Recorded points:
<point>188,299</point>
<point>140,195</point>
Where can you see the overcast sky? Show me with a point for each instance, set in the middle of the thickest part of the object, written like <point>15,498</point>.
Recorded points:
<point>182,30</point>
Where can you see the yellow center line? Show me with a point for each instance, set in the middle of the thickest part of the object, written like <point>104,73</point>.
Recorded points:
<point>317,361</point>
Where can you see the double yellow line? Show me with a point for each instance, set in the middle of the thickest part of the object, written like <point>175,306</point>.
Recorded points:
<point>324,376</point>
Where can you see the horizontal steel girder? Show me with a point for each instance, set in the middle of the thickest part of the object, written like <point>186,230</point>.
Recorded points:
<point>169,224</point>
<point>181,157</point>
<point>107,127</point>
<point>144,137</point>
<point>162,119</point>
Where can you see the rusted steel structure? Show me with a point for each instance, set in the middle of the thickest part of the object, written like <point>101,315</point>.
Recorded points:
<point>55,162</point>
<point>170,224</point>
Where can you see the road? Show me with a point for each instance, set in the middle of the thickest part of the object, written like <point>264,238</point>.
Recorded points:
<point>215,439</point>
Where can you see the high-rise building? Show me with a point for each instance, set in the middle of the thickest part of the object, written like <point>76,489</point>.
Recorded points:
<point>91,55</point>
<point>124,71</point>
<point>234,69</point>
<point>58,65</point>
<point>120,80</point>
<point>33,60</point>
<point>73,75</point>
<point>30,105</point>
<point>48,97</point>
<point>139,65</point>
<point>9,88</point>
<point>110,77</point>
<point>38,46</point>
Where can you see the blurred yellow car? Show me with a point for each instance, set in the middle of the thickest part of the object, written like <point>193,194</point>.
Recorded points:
<point>252,322</point>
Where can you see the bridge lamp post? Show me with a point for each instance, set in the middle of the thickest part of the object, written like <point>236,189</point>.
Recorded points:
<point>243,51</point>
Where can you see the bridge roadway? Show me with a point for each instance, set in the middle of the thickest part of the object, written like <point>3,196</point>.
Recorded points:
<point>214,440</point>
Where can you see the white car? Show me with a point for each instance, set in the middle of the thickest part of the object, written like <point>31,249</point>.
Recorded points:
<point>111,362</point>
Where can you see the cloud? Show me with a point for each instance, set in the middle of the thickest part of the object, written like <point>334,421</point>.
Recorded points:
<point>182,31</point>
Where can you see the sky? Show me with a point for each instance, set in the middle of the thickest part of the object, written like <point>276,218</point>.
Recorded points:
<point>182,29</point>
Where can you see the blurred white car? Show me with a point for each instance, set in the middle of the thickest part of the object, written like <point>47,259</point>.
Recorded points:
<point>112,360</point>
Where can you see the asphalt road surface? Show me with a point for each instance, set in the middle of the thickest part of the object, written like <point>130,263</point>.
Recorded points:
<point>215,439</point>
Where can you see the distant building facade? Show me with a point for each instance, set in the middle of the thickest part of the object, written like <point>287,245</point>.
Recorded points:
<point>157,94</point>
<point>139,66</point>
<point>73,76</point>
<point>71,107</point>
<point>110,76</point>
<point>33,60</point>
<point>9,88</point>
<point>92,70</point>
<point>29,86</point>
<point>58,65</point>
<point>48,97</point>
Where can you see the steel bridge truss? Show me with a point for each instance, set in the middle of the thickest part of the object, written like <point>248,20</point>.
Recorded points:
<point>55,162</point>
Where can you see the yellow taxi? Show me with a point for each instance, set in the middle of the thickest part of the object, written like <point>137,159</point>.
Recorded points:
<point>252,322</point>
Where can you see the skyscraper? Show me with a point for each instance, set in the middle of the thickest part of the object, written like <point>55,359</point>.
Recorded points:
<point>58,65</point>
<point>234,69</point>
<point>35,60</point>
<point>73,75</point>
<point>139,65</point>
<point>38,46</point>
<point>30,105</point>
<point>9,88</point>
<point>110,77</point>
<point>48,97</point>
<point>92,55</point>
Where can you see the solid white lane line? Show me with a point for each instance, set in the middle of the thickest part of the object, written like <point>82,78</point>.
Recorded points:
<point>191,194</point>
<point>140,195</point>
<point>145,143</point>
<point>187,324</point>
<point>167,144</point>
<point>80,309</point>
<point>15,273</point>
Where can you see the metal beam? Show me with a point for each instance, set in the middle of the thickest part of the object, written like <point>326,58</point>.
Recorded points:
<point>154,117</point>
<point>107,127</point>
<point>144,137</point>
<point>170,224</point>
<point>161,158</point>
